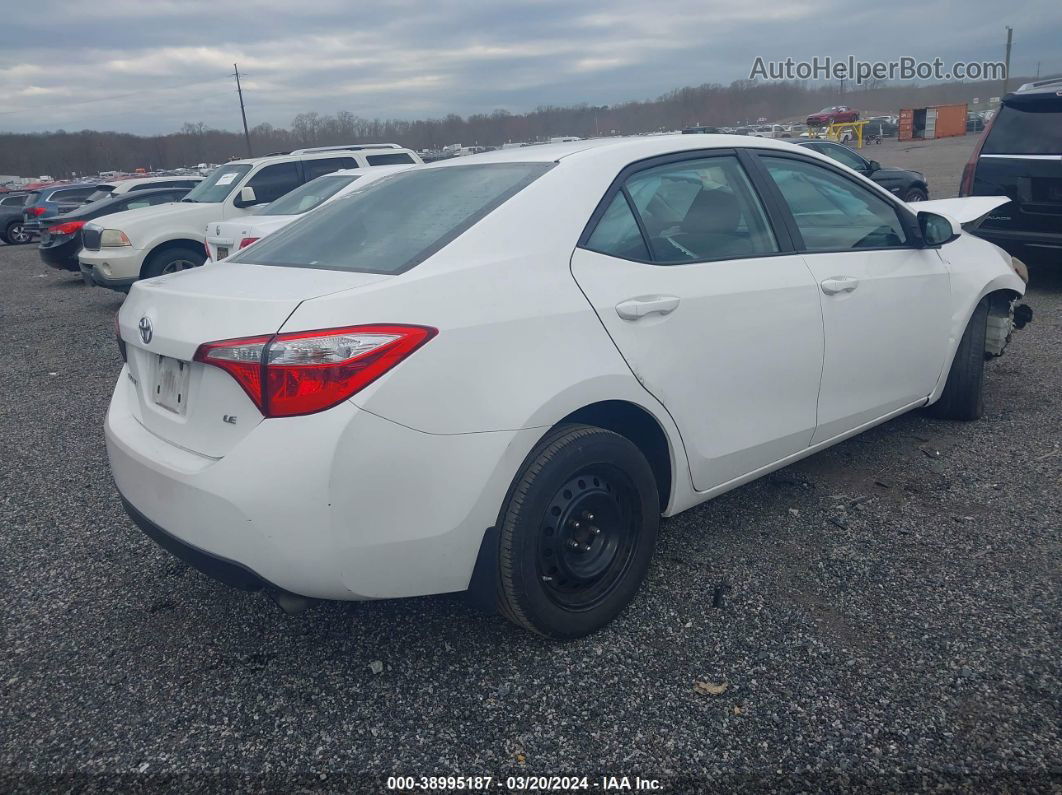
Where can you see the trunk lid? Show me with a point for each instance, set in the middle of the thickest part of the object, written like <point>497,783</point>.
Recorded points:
<point>164,321</point>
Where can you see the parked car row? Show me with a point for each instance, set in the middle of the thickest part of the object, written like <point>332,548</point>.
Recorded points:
<point>122,248</point>
<point>477,374</point>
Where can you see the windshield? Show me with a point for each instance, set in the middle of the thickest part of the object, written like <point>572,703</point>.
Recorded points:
<point>1032,130</point>
<point>305,198</point>
<point>393,224</point>
<point>218,185</point>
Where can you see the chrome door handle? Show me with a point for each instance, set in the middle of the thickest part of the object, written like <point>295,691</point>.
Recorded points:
<point>634,308</point>
<point>838,284</point>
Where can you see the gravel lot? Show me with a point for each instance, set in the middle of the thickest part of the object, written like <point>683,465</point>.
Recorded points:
<point>885,616</point>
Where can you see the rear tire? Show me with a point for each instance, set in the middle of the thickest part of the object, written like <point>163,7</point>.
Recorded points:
<point>963,395</point>
<point>172,260</point>
<point>577,532</point>
<point>16,235</point>
<point>915,195</point>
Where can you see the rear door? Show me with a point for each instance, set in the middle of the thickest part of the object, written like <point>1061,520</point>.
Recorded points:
<point>715,315</point>
<point>1022,159</point>
<point>885,302</point>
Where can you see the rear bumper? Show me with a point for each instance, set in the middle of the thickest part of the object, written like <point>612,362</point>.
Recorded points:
<point>61,257</point>
<point>342,504</point>
<point>1034,247</point>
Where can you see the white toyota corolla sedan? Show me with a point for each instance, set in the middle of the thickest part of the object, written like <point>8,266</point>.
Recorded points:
<point>496,373</point>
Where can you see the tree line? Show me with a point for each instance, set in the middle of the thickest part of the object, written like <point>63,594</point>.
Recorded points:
<point>62,153</point>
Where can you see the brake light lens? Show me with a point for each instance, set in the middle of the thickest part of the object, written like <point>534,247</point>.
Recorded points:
<point>247,241</point>
<point>967,182</point>
<point>303,372</point>
<point>69,228</point>
<point>35,211</point>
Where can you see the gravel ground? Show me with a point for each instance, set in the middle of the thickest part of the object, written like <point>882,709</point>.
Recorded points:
<point>941,161</point>
<point>885,616</point>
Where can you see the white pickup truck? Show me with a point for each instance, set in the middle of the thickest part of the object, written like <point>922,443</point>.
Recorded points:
<point>150,241</point>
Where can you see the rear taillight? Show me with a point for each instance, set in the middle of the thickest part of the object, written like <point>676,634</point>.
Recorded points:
<point>118,336</point>
<point>304,372</point>
<point>247,241</point>
<point>69,228</point>
<point>967,181</point>
<point>35,211</point>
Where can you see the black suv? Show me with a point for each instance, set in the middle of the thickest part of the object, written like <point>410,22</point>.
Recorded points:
<point>911,186</point>
<point>1020,156</point>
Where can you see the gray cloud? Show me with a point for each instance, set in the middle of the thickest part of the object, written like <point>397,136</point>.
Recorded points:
<point>149,66</point>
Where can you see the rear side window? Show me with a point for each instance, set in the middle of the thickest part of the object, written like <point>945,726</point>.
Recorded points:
<point>71,194</point>
<point>326,165</point>
<point>395,223</point>
<point>617,233</point>
<point>834,213</point>
<point>1035,129</point>
<point>274,181</point>
<point>396,159</point>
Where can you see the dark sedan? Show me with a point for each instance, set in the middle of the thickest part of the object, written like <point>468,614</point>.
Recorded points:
<point>911,186</point>
<point>61,239</point>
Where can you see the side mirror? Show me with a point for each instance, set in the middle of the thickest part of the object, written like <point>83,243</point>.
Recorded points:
<point>937,229</point>
<point>874,166</point>
<point>247,197</point>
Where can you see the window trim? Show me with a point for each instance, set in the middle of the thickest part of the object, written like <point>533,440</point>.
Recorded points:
<point>907,218</point>
<point>775,222</point>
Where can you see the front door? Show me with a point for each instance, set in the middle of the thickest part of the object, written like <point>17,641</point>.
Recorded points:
<point>884,301</point>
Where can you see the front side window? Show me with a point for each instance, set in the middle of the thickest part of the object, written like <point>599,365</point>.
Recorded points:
<point>221,182</point>
<point>274,181</point>
<point>834,213</point>
<point>699,210</point>
<point>305,197</point>
<point>393,224</point>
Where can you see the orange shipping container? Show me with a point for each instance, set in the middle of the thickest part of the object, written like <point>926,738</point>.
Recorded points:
<point>935,121</point>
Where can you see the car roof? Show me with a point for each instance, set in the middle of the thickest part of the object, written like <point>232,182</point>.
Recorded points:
<point>297,155</point>
<point>142,180</point>
<point>638,146</point>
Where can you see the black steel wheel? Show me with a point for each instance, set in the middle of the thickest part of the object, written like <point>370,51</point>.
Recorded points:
<point>577,533</point>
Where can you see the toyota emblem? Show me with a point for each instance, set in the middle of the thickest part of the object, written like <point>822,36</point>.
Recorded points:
<point>146,331</point>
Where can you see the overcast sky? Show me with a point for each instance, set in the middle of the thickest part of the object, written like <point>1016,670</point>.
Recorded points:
<point>148,66</point>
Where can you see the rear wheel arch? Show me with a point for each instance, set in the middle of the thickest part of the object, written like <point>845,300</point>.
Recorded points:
<point>638,426</point>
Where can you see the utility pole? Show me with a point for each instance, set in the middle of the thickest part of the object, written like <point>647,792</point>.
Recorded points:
<point>1006,78</point>
<point>246,134</point>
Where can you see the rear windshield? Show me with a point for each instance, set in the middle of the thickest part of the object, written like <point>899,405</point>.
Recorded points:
<point>218,185</point>
<point>306,197</point>
<point>101,192</point>
<point>395,223</point>
<point>1035,129</point>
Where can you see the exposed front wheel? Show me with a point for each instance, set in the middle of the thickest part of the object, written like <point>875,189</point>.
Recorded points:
<point>963,395</point>
<point>915,195</point>
<point>15,234</point>
<point>577,533</point>
<point>172,260</point>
